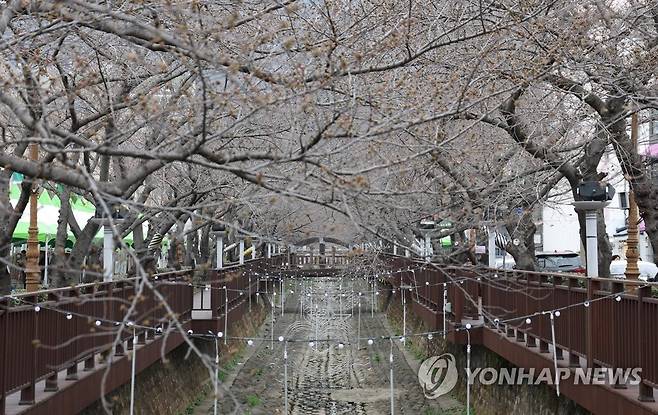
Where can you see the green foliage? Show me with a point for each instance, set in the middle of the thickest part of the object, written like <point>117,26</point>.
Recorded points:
<point>253,400</point>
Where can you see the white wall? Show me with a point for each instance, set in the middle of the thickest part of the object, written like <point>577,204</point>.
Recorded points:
<point>560,229</point>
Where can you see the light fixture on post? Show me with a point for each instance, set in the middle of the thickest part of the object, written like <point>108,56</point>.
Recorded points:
<point>115,218</point>
<point>594,196</point>
<point>220,234</point>
<point>32,271</point>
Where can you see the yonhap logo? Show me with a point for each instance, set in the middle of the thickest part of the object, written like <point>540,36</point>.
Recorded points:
<point>438,375</point>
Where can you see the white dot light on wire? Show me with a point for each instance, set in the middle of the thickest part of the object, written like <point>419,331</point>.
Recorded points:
<point>468,326</point>
<point>220,334</point>
<point>557,313</point>
<point>69,316</point>
<point>159,329</point>
<point>190,332</point>
<point>528,321</point>
<point>370,342</point>
<point>97,323</point>
<point>37,309</point>
<point>280,338</point>
<point>341,345</point>
<point>427,283</point>
<point>496,321</point>
<point>586,304</point>
<point>250,342</point>
<point>618,298</point>
<point>430,336</point>
<point>311,344</point>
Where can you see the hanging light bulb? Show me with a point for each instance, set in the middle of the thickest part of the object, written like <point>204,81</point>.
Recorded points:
<point>69,316</point>
<point>528,321</point>
<point>250,342</point>
<point>586,304</point>
<point>618,298</point>
<point>190,331</point>
<point>341,345</point>
<point>370,342</point>
<point>557,313</point>
<point>220,334</point>
<point>37,309</point>
<point>97,323</point>
<point>468,326</point>
<point>430,336</point>
<point>280,338</point>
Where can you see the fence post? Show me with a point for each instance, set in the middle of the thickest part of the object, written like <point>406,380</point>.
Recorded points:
<point>4,325</point>
<point>574,360</point>
<point>27,393</point>
<point>646,391</point>
<point>616,336</point>
<point>51,381</point>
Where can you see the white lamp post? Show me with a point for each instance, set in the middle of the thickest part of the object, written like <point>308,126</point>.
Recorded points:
<point>220,234</point>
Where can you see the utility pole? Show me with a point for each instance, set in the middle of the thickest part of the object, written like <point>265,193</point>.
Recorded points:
<point>32,271</point>
<point>633,239</point>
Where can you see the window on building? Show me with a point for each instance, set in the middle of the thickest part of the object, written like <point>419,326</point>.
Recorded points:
<point>623,200</point>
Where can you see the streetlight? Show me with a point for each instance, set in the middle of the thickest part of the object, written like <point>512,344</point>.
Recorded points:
<point>115,217</point>
<point>633,238</point>
<point>594,197</point>
<point>32,271</point>
<point>220,233</point>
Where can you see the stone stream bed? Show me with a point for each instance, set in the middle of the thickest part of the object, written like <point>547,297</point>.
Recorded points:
<point>337,374</point>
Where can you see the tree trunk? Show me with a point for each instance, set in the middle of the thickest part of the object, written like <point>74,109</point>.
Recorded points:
<point>58,264</point>
<point>524,230</point>
<point>83,248</point>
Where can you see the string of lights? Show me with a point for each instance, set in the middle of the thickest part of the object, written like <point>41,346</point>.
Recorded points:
<point>100,321</point>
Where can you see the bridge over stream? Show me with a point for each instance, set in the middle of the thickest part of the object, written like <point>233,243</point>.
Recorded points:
<point>327,345</point>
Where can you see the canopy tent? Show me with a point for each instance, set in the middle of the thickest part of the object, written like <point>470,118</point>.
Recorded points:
<point>48,206</point>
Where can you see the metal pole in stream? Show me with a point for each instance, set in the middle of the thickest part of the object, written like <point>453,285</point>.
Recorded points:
<point>272,331</point>
<point>316,327</point>
<point>358,332</point>
<point>285,377</point>
<point>372,303</point>
<point>132,374</point>
<point>225,314</point>
<point>468,370</point>
<point>404,314</point>
<point>445,310</point>
<point>390,360</point>
<point>216,375</point>
<point>282,294</point>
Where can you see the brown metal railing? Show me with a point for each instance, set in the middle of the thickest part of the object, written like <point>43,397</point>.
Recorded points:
<point>64,332</point>
<point>619,333</point>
